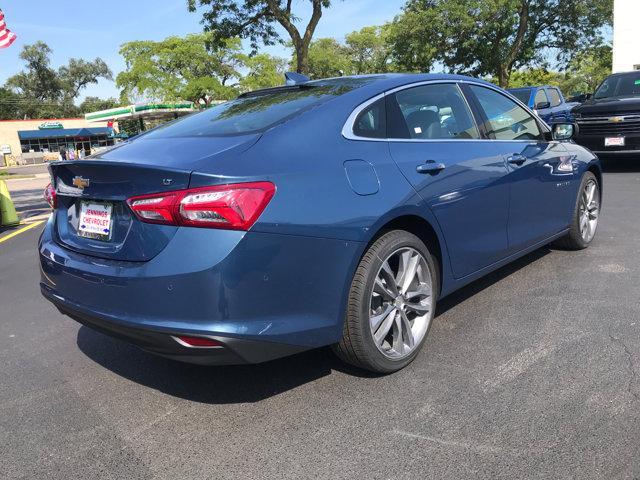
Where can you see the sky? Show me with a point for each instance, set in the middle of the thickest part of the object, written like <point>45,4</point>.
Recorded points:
<point>89,29</point>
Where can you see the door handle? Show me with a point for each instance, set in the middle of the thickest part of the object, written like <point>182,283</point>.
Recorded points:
<point>517,159</point>
<point>430,167</point>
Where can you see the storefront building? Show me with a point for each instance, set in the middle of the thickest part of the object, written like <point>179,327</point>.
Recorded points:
<point>19,137</point>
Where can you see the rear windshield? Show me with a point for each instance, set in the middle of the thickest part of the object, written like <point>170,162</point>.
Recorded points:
<point>257,112</point>
<point>522,94</point>
<point>627,85</point>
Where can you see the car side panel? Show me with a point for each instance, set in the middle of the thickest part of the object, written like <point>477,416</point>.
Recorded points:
<point>470,197</point>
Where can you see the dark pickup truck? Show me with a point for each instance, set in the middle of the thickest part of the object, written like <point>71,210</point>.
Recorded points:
<point>609,122</point>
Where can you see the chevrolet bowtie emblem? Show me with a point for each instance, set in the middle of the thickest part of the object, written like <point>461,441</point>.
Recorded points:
<point>80,182</point>
<point>616,119</point>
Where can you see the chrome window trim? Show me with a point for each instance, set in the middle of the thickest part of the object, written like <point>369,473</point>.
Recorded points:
<point>347,129</point>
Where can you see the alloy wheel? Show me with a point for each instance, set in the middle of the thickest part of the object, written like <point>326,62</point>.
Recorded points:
<point>589,210</point>
<point>401,303</point>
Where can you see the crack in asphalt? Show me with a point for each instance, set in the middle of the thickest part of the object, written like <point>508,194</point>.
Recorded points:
<point>630,365</point>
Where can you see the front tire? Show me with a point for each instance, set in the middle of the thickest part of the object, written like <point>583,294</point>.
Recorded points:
<point>585,216</point>
<point>391,306</point>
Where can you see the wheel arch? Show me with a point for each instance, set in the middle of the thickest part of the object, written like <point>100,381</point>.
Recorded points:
<point>421,228</point>
<point>594,168</point>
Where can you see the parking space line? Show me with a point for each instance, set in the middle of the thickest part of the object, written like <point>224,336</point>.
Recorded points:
<point>28,226</point>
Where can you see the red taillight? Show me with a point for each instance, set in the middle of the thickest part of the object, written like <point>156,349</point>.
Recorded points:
<point>197,342</point>
<point>50,195</point>
<point>234,207</point>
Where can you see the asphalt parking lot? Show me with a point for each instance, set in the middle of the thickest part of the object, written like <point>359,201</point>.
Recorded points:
<point>531,372</point>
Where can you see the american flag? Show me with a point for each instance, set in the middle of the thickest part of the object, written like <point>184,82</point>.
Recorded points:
<point>6,36</point>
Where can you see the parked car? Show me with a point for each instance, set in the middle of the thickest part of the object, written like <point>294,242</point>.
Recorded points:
<point>330,212</point>
<point>609,123</point>
<point>547,102</point>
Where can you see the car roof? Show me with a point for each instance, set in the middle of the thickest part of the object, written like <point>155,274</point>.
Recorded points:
<point>391,80</point>
<point>621,74</point>
<point>372,85</point>
<point>531,86</point>
<point>363,87</point>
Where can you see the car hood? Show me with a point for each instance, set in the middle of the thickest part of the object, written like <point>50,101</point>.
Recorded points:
<point>609,106</point>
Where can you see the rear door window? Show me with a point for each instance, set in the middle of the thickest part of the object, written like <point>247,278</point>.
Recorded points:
<point>430,112</point>
<point>371,123</point>
<point>541,97</point>
<point>554,97</point>
<point>506,120</point>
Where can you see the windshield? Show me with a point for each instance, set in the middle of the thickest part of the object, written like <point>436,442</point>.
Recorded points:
<point>256,112</point>
<point>627,85</point>
<point>522,94</point>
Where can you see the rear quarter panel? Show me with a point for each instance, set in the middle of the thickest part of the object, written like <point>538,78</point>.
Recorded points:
<point>306,158</point>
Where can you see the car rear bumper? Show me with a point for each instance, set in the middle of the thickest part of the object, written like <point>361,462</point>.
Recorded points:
<point>233,351</point>
<point>261,295</point>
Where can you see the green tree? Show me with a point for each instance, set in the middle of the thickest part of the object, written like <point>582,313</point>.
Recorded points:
<point>587,69</point>
<point>370,50</point>
<point>264,71</point>
<point>42,92</point>
<point>11,105</point>
<point>180,68</point>
<point>94,104</point>
<point>327,58</point>
<point>256,21</point>
<point>536,76</point>
<point>496,37</point>
<point>39,81</point>
<point>78,73</point>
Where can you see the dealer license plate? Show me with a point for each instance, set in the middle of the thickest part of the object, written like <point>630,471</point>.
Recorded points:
<point>95,220</point>
<point>614,142</point>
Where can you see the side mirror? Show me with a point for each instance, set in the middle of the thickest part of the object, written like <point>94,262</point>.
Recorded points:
<point>543,105</point>
<point>564,131</point>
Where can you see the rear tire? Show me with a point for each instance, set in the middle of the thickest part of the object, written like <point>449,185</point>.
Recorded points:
<point>585,215</point>
<point>394,290</point>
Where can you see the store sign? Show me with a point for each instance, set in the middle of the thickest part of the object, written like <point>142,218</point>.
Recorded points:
<point>5,149</point>
<point>50,125</point>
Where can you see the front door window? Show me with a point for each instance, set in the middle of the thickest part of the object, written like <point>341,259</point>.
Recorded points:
<point>506,120</point>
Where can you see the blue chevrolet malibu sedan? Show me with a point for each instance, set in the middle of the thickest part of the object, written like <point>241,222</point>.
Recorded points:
<point>331,212</point>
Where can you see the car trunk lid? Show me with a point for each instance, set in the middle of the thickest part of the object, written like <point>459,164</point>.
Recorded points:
<point>92,215</point>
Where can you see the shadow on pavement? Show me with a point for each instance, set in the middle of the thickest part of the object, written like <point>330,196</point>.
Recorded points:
<point>621,165</point>
<point>477,286</point>
<point>9,229</point>
<point>213,385</point>
<point>246,383</point>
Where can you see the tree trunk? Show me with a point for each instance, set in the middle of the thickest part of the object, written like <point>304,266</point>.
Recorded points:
<point>300,42</point>
<point>302,58</point>
<point>504,75</point>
